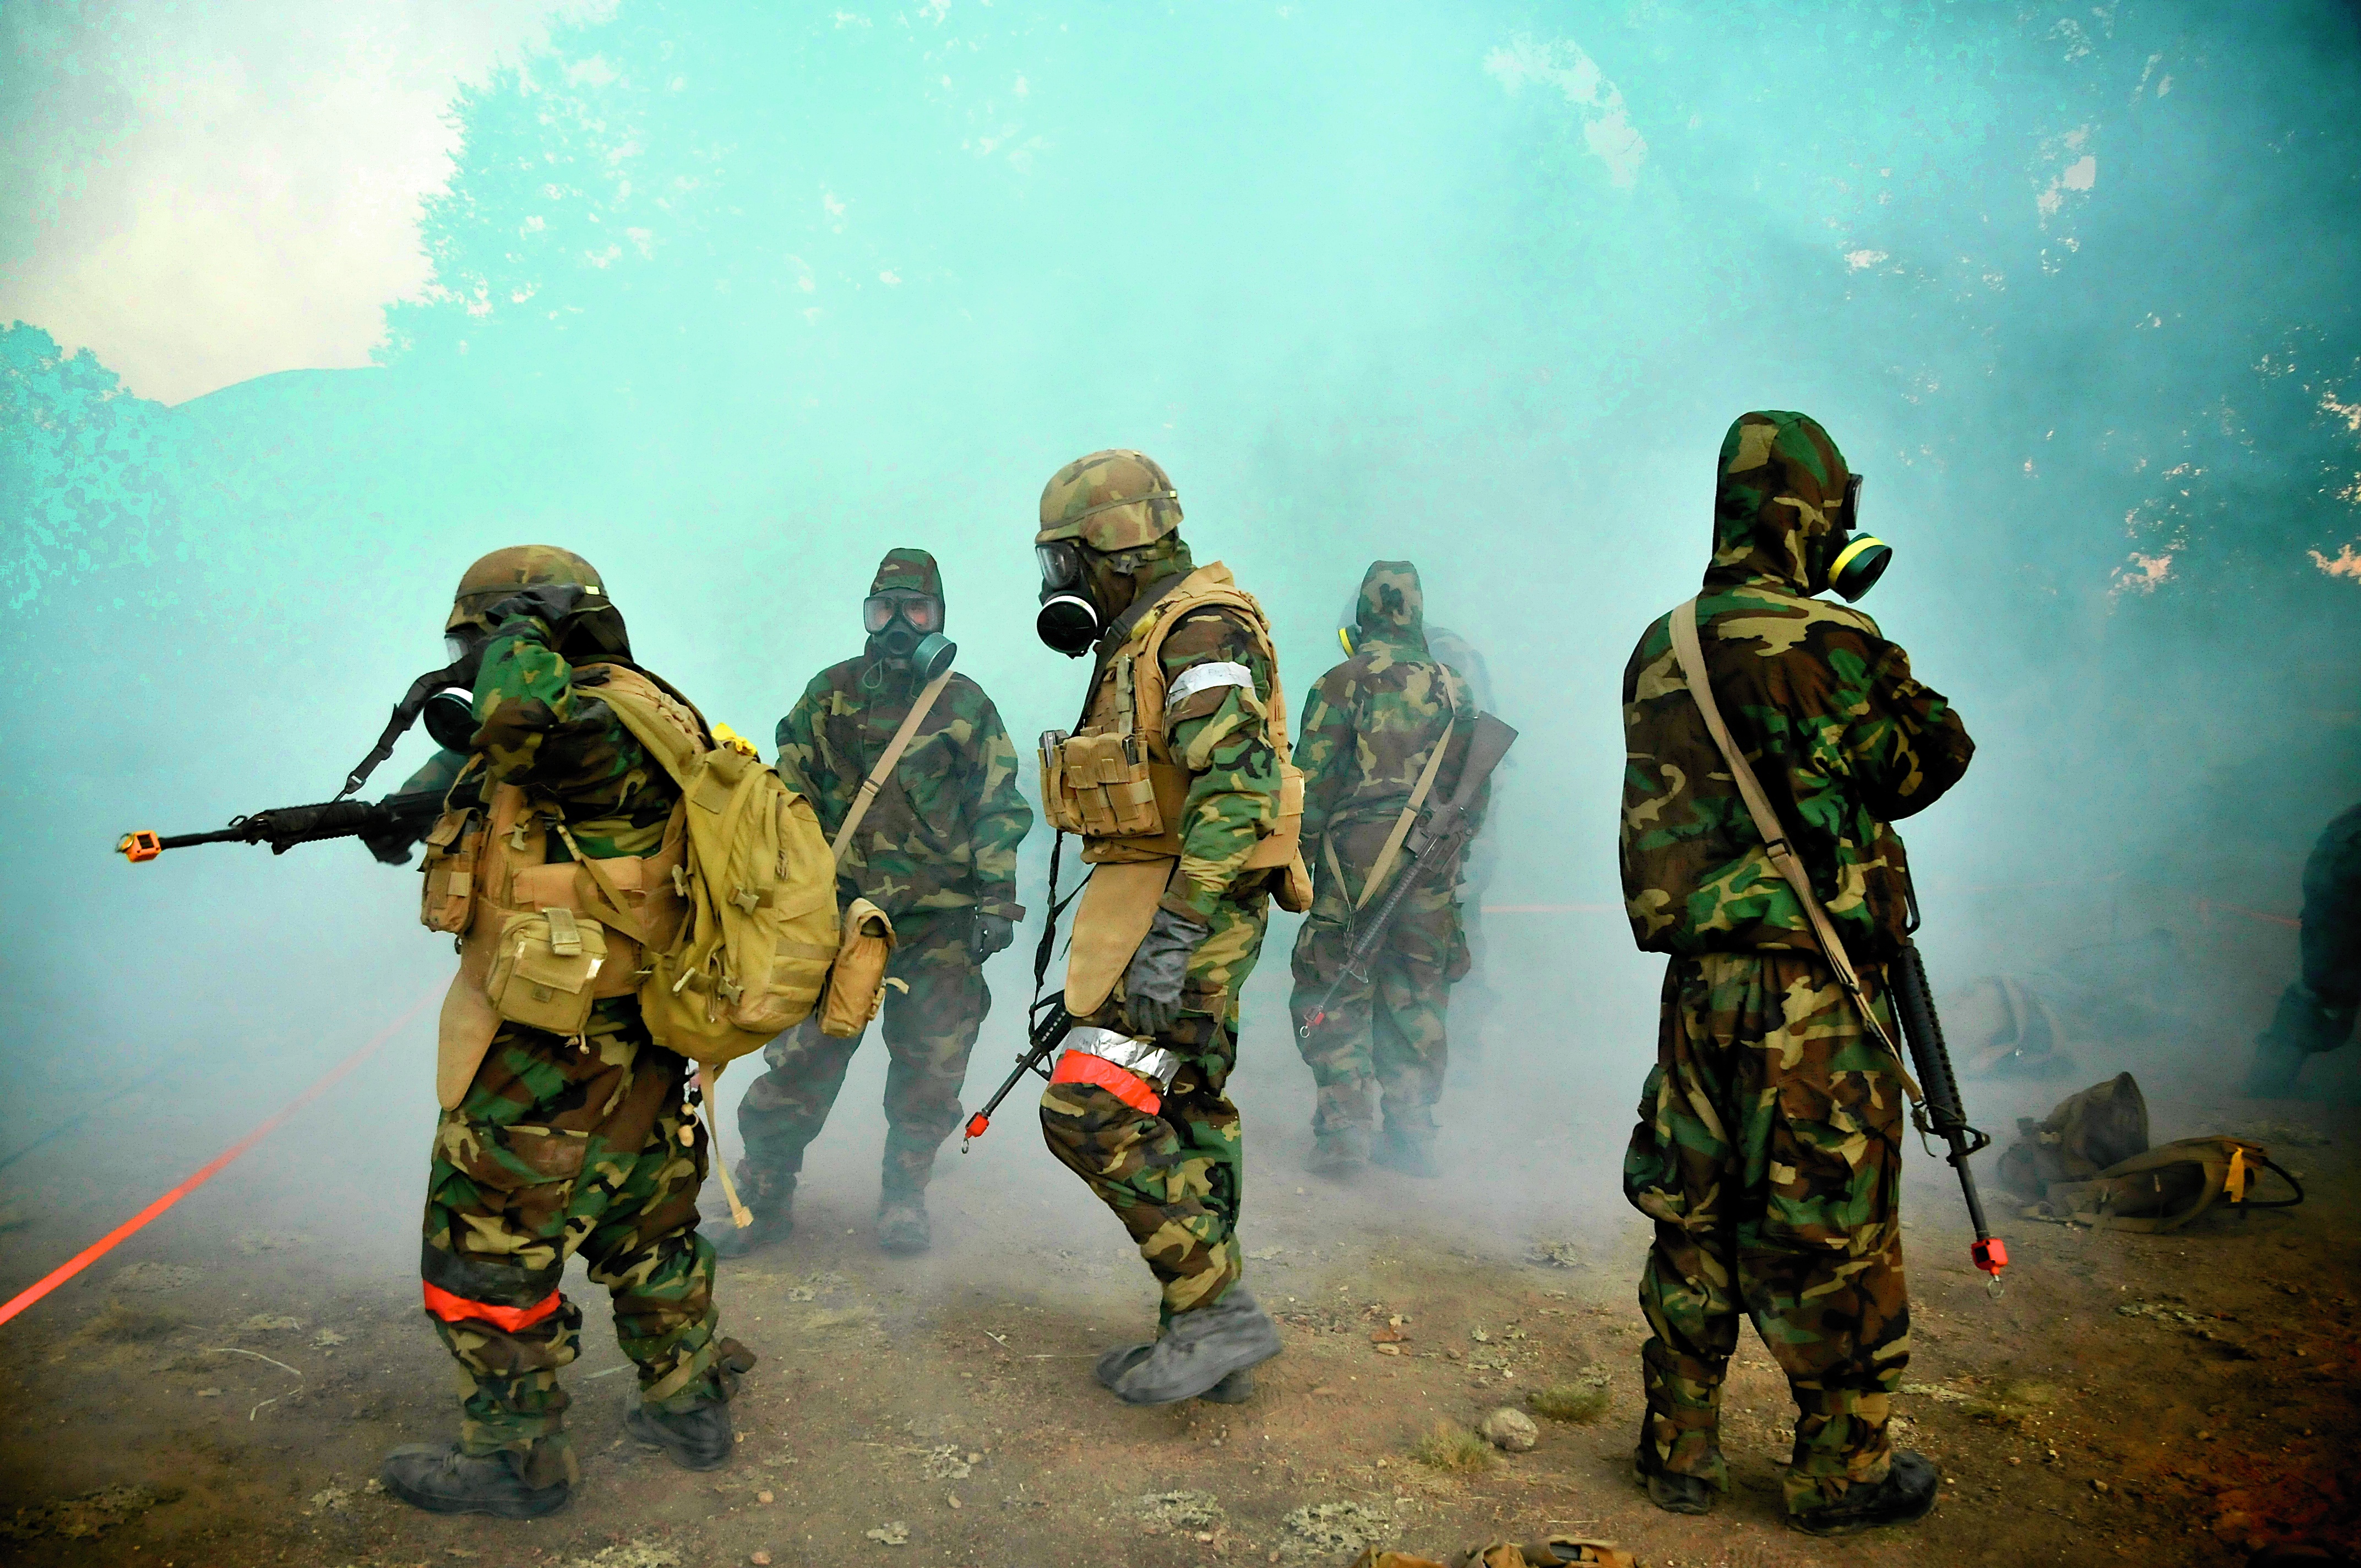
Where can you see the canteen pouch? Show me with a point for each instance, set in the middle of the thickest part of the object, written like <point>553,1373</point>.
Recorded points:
<point>446,899</point>
<point>856,984</point>
<point>545,968</point>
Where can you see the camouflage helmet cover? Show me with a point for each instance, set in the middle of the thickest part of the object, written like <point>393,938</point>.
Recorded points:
<point>503,572</point>
<point>1110,500</point>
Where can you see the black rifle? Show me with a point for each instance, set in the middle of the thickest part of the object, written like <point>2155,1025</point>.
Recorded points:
<point>406,817</point>
<point>1943,1113</point>
<point>1046,1018</point>
<point>1438,835</point>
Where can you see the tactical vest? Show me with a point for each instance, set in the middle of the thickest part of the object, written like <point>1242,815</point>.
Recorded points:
<point>1119,786</point>
<point>487,869</point>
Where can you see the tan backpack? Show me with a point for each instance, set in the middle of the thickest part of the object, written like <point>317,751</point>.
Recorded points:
<point>2088,1162</point>
<point>761,929</point>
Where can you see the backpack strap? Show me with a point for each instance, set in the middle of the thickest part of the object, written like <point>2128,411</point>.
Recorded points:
<point>1691,654</point>
<point>885,768</point>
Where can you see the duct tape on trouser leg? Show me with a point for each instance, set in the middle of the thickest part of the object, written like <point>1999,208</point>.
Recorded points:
<point>1136,1071</point>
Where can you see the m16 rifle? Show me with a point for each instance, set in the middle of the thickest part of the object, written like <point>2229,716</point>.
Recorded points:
<point>402,819</point>
<point>1942,1114</point>
<point>1436,839</point>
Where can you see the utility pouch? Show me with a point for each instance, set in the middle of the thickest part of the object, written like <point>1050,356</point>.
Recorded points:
<point>545,969</point>
<point>446,900</point>
<point>1102,790</point>
<point>856,984</point>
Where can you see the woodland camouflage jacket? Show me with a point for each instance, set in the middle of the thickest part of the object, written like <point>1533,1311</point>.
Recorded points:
<point>943,831</point>
<point>1373,720</point>
<point>1844,739</point>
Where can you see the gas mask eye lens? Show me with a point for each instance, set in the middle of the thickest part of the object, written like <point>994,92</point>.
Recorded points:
<point>1062,563</point>
<point>876,613</point>
<point>454,647</point>
<point>923,613</point>
<point>1852,503</point>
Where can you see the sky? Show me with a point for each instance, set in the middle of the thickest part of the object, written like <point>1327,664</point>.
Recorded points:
<point>202,192</point>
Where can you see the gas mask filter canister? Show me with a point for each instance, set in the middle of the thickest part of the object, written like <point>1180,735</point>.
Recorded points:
<point>1069,623</point>
<point>1861,563</point>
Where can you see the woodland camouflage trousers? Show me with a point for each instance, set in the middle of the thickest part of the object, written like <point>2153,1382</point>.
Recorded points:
<point>929,1032</point>
<point>556,1149</point>
<point>1175,1178</point>
<point>1387,1032</point>
<point>1768,1152</point>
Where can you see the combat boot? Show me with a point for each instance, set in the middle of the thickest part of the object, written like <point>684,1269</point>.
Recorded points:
<point>1199,1350</point>
<point>1410,1150</point>
<point>774,1206</point>
<point>1674,1493</point>
<point>700,1439</point>
<point>446,1481</point>
<point>1907,1493</point>
<point>1340,1152</point>
<point>1234,1390</point>
<point>903,1227</point>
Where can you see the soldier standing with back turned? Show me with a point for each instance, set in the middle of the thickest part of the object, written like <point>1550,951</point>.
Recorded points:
<point>1372,728</point>
<point>1178,781</point>
<point>1768,1145</point>
<point>935,847</point>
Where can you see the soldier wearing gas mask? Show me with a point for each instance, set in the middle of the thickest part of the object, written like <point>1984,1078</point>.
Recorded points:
<point>556,1140</point>
<point>935,819</point>
<point>1177,778</point>
<point>1768,1150</point>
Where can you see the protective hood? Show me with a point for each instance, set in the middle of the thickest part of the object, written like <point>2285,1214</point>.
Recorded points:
<point>1393,607</point>
<point>1777,503</point>
<point>913,571</point>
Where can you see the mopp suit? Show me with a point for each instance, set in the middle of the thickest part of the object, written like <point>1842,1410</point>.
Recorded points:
<point>1370,729</point>
<point>552,1144</point>
<point>1178,779</point>
<point>1768,1148</point>
<point>936,848</point>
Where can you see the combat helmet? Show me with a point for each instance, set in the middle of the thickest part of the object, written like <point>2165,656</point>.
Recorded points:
<point>1111,501</point>
<point>504,572</point>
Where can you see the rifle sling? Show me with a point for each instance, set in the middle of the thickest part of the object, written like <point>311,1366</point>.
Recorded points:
<point>885,768</point>
<point>1383,865</point>
<point>1691,654</point>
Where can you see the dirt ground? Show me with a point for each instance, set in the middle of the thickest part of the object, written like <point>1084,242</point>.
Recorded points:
<point>218,1390</point>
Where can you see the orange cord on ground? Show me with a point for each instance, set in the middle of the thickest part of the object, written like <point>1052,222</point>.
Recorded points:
<point>212,1167</point>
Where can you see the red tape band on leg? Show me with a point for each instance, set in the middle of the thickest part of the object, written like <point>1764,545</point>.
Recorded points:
<point>1080,1067</point>
<point>459,1309</point>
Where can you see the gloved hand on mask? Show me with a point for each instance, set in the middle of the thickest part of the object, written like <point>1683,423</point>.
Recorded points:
<point>988,935</point>
<point>1158,971</point>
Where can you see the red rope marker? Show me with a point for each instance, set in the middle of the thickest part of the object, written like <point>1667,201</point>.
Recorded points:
<point>212,1167</point>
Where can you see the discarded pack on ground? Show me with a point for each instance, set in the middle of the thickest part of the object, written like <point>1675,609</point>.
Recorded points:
<point>2088,1161</point>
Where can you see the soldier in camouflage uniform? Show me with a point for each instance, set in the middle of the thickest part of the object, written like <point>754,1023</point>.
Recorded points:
<point>560,1145</point>
<point>1136,1105</point>
<point>937,850</point>
<point>1768,1150</point>
<point>2315,1013</point>
<point>1369,730</point>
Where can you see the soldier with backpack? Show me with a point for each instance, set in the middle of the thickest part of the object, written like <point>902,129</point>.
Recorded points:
<point>564,866</point>
<point>915,780</point>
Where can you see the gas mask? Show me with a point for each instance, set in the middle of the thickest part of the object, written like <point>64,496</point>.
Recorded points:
<point>1070,622</point>
<point>907,627</point>
<point>1859,562</point>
